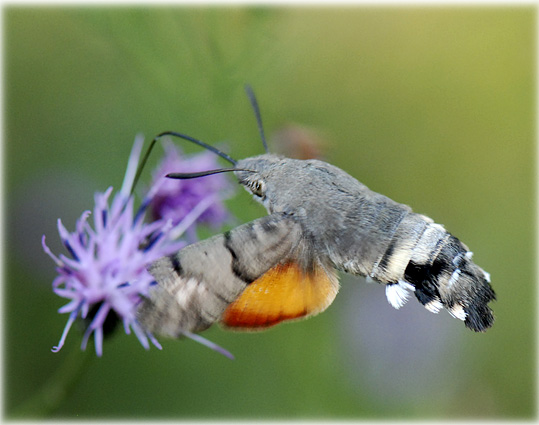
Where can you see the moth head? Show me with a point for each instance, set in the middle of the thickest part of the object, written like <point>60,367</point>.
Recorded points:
<point>256,187</point>
<point>254,174</point>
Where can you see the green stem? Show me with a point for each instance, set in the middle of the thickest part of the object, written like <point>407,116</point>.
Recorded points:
<point>50,397</point>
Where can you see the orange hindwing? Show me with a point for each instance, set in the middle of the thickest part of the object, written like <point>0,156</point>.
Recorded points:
<point>284,292</point>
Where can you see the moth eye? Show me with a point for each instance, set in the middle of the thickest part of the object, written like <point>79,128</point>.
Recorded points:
<point>258,188</point>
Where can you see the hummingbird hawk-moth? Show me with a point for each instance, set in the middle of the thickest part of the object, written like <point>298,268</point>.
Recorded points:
<point>284,266</point>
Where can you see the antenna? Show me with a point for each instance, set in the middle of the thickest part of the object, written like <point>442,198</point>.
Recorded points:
<point>181,136</point>
<point>256,109</point>
<point>197,142</point>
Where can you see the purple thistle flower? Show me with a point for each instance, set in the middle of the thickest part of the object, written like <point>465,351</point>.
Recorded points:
<point>106,274</point>
<point>177,200</point>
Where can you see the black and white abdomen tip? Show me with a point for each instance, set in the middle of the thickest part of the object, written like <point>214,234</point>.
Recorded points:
<point>441,274</point>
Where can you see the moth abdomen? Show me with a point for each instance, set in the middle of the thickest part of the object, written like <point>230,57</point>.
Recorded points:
<point>438,268</point>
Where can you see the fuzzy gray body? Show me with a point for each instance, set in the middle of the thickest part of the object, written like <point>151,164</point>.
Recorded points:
<point>341,217</point>
<point>318,215</point>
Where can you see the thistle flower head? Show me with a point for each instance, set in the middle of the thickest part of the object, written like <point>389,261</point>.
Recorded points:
<point>105,273</point>
<point>175,200</point>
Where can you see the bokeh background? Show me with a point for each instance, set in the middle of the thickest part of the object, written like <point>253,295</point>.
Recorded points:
<point>432,106</point>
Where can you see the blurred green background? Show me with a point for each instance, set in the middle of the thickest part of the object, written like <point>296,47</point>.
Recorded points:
<point>431,106</point>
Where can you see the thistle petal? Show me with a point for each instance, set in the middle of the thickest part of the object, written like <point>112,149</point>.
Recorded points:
<point>132,165</point>
<point>70,321</point>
